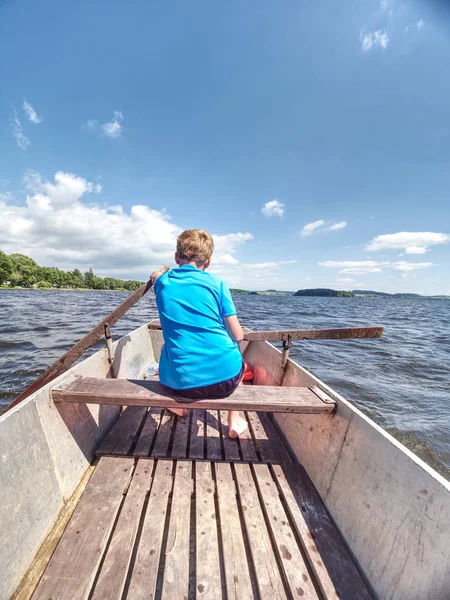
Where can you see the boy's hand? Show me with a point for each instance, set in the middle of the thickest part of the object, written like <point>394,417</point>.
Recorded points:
<point>154,276</point>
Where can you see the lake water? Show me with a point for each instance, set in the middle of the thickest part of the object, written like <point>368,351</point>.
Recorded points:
<point>401,381</point>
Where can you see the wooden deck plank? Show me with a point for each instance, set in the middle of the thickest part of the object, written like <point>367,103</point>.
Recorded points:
<point>247,445</point>
<point>161,447</point>
<point>230,446</point>
<point>294,567</point>
<point>208,577</point>
<point>274,438</point>
<point>129,434</point>
<point>324,539</point>
<point>310,549</point>
<point>148,433</point>
<point>127,418</point>
<point>213,443</point>
<point>114,570</point>
<point>269,444</point>
<point>176,568</point>
<point>197,440</point>
<point>180,440</point>
<point>237,573</point>
<point>73,566</point>
<point>145,569</point>
<point>140,392</point>
<point>270,584</point>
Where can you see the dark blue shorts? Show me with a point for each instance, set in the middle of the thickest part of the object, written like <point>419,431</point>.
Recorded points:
<point>215,390</point>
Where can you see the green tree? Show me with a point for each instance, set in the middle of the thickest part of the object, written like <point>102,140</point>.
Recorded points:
<point>26,267</point>
<point>77,278</point>
<point>6,267</point>
<point>88,278</point>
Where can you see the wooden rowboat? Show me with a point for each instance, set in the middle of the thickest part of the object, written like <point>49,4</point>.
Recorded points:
<point>314,501</point>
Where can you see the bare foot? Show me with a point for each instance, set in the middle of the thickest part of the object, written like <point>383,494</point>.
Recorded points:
<point>181,412</point>
<point>236,424</point>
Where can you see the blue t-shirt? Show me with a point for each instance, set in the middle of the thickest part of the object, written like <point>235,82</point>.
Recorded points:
<point>198,350</point>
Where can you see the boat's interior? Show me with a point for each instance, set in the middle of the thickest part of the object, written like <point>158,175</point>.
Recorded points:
<point>176,509</point>
<point>114,497</point>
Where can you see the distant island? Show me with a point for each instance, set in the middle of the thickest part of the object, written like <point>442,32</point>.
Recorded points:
<point>330,293</point>
<point>325,292</point>
<point>20,271</point>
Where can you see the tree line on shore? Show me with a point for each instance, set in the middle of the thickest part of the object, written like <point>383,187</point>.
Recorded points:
<point>18,270</point>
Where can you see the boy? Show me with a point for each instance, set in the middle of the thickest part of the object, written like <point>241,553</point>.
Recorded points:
<point>201,356</point>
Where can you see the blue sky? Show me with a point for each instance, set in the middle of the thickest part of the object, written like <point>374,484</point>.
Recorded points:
<point>124,123</point>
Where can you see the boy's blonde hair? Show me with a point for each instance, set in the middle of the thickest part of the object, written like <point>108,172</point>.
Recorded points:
<point>195,244</point>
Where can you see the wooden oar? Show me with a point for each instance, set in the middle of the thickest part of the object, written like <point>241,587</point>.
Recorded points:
<point>313,334</point>
<point>67,359</point>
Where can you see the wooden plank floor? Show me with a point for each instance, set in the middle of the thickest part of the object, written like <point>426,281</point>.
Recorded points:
<point>157,433</point>
<point>177,511</point>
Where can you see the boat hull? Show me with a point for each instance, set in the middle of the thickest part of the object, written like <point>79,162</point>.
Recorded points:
<point>391,508</point>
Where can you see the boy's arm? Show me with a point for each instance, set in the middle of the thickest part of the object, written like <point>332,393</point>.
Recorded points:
<point>234,328</point>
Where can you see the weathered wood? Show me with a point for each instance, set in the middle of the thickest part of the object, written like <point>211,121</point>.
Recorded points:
<point>135,392</point>
<point>73,566</point>
<point>180,440</point>
<point>155,325</point>
<point>145,570</point>
<point>72,355</point>
<point>270,584</point>
<point>160,449</point>
<point>270,447</point>
<point>113,574</point>
<point>128,437</point>
<point>325,536</point>
<point>197,440</point>
<point>237,573</point>
<point>346,333</point>
<point>230,446</point>
<point>208,578</point>
<point>274,438</point>
<point>294,567</point>
<point>320,571</point>
<point>126,420</point>
<point>176,568</point>
<point>213,445</point>
<point>247,445</point>
<point>148,433</point>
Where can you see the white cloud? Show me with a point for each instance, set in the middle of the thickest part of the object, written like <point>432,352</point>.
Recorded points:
<point>408,241</point>
<point>16,126</point>
<point>364,267</point>
<point>415,250</point>
<point>90,125</point>
<point>420,24</point>
<point>274,208</point>
<point>345,279</point>
<point>31,113</point>
<point>407,267</point>
<point>57,226</point>
<point>338,226</point>
<point>374,39</point>
<point>309,228</point>
<point>113,129</point>
<point>6,197</point>
<point>321,226</point>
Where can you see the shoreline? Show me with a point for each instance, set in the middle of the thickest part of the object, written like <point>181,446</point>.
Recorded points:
<point>24,289</point>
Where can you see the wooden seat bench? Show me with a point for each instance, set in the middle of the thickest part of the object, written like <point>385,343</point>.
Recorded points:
<point>136,392</point>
